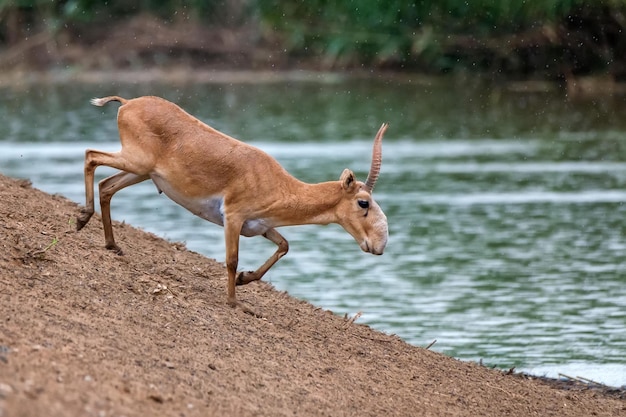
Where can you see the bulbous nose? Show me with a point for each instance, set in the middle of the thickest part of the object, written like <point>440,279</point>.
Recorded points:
<point>380,248</point>
<point>374,248</point>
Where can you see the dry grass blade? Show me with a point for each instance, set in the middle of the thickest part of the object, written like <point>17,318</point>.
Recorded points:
<point>353,318</point>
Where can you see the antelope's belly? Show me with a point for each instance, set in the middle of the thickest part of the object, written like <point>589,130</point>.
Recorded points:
<point>212,209</point>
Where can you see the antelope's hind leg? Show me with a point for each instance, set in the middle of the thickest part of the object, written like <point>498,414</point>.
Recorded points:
<point>244,278</point>
<point>87,211</point>
<point>93,159</point>
<point>108,187</point>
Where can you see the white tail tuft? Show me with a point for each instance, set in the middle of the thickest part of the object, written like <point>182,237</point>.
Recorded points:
<point>102,101</point>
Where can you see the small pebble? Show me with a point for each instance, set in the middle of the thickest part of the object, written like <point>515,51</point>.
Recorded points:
<point>5,389</point>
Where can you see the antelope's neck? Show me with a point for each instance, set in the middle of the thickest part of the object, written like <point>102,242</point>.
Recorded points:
<point>311,203</point>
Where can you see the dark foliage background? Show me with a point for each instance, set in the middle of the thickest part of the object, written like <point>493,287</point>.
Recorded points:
<point>547,38</point>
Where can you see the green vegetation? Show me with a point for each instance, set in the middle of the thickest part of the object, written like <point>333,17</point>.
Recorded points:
<point>397,29</point>
<point>513,37</point>
<point>55,13</point>
<point>435,33</point>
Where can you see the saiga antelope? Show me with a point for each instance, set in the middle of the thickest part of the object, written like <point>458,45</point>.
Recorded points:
<point>227,182</point>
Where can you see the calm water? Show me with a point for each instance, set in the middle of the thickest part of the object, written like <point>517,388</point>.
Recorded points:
<point>506,210</point>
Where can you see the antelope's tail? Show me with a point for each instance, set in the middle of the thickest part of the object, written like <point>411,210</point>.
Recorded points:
<point>102,101</point>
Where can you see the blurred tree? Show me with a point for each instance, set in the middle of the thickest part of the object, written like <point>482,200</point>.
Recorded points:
<point>520,35</point>
<point>416,32</point>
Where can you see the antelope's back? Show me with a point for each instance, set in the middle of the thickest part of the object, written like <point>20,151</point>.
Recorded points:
<point>155,127</point>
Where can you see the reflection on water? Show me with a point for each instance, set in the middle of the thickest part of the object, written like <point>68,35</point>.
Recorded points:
<point>505,210</point>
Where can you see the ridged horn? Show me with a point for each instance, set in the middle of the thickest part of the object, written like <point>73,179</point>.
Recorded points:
<point>377,159</point>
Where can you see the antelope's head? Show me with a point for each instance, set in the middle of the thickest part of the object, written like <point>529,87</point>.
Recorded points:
<point>358,213</point>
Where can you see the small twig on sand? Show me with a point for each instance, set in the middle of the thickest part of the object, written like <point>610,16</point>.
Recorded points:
<point>431,344</point>
<point>566,376</point>
<point>583,380</point>
<point>591,381</point>
<point>353,318</point>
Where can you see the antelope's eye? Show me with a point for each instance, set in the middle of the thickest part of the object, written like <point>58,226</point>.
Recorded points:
<point>364,204</point>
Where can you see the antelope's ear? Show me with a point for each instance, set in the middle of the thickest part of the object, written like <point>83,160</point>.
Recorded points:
<point>348,180</point>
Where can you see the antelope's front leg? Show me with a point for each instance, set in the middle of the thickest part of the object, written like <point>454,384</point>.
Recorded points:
<point>232,229</point>
<point>283,247</point>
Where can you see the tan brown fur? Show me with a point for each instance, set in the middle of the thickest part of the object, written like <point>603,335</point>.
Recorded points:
<point>227,181</point>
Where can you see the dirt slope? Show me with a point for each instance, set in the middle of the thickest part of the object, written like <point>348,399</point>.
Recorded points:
<point>84,332</point>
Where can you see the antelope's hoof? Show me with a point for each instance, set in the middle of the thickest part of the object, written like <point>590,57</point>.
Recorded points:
<point>242,278</point>
<point>82,219</point>
<point>115,249</point>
